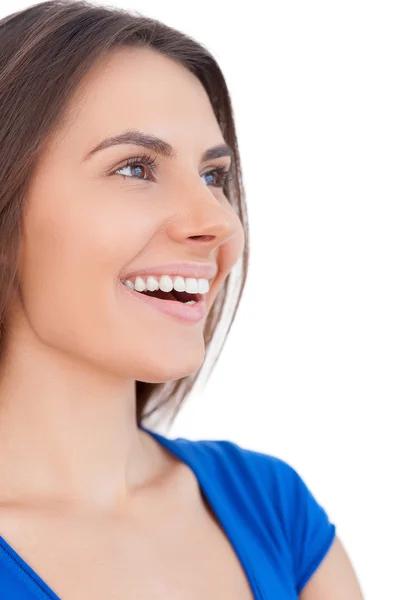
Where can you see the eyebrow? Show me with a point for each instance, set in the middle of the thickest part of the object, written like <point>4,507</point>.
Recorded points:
<point>139,138</point>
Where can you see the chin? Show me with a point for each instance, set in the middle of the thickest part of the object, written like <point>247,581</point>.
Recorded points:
<point>175,368</point>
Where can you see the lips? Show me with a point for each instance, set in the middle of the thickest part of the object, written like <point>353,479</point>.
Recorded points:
<point>182,311</point>
<point>184,269</point>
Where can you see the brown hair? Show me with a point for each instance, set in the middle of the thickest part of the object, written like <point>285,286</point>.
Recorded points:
<point>45,50</point>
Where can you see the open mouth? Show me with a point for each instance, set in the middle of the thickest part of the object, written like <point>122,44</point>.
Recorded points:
<point>173,295</point>
<point>189,308</point>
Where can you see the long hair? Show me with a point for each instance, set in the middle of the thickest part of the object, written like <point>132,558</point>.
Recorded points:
<point>45,51</point>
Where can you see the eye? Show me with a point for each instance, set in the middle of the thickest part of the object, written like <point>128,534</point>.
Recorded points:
<point>218,176</point>
<point>222,174</point>
<point>136,163</point>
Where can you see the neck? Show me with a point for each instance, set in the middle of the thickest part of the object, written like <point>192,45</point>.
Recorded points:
<point>68,432</point>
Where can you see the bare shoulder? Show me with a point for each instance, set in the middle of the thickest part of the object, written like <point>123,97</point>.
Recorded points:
<point>335,579</point>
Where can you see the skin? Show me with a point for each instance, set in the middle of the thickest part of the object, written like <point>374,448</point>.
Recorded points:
<point>77,343</point>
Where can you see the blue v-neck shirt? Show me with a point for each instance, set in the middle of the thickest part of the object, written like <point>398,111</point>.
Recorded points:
<point>274,523</point>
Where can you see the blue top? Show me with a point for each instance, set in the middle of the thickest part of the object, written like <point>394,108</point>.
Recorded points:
<point>278,530</point>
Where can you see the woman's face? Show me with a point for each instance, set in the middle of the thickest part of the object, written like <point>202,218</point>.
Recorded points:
<point>91,221</point>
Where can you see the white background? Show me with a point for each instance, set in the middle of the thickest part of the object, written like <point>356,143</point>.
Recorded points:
<point>310,369</point>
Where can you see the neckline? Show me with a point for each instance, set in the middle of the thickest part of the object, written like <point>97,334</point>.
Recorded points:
<point>184,450</point>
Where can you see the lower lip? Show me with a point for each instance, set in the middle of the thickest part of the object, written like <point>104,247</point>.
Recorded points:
<point>191,313</point>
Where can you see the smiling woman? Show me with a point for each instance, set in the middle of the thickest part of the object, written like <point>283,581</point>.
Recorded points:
<point>122,216</point>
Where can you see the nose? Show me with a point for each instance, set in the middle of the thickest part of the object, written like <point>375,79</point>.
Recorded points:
<point>206,221</point>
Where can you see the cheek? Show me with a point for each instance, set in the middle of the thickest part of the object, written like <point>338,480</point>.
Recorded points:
<point>72,250</point>
<point>231,251</point>
<point>79,234</point>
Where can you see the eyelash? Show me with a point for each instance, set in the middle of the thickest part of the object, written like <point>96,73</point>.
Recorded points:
<point>224,173</point>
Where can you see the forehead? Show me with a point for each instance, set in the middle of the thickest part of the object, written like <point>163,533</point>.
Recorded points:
<point>141,88</point>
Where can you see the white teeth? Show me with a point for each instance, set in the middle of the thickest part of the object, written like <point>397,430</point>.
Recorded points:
<point>167,283</point>
<point>203,286</point>
<point>139,284</point>
<point>179,284</point>
<point>191,285</point>
<point>152,284</point>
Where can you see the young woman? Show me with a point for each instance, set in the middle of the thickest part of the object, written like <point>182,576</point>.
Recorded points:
<point>122,215</point>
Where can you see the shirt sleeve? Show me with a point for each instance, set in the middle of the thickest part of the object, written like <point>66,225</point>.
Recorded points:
<point>311,531</point>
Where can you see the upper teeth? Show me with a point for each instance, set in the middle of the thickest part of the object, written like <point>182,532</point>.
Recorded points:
<point>167,284</point>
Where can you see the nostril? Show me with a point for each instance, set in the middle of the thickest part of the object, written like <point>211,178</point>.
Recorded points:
<point>205,238</point>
